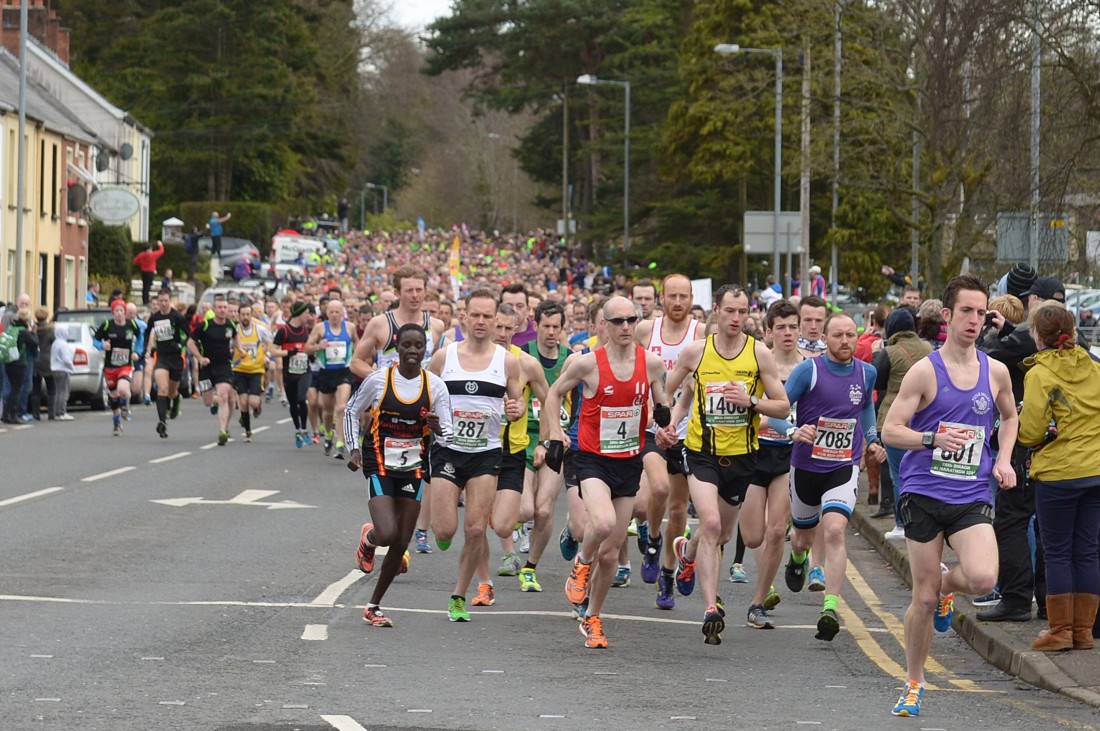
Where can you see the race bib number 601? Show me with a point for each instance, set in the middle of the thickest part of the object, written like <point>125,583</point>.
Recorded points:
<point>963,463</point>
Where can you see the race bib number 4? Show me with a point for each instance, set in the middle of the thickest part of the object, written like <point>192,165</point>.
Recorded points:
<point>471,429</point>
<point>299,364</point>
<point>336,353</point>
<point>834,438</point>
<point>721,412</point>
<point>963,463</point>
<point>401,454</point>
<point>120,357</point>
<point>620,429</point>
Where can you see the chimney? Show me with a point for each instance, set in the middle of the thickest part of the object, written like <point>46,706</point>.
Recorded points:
<point>42,25</point>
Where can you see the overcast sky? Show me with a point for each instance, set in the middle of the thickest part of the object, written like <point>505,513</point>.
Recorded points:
<point>416,14</point>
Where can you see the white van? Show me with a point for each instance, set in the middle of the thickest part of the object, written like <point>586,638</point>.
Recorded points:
<point>285,248</point>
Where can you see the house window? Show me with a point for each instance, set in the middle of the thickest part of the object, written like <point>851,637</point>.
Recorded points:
<point>54,186</point>
<point>71,283</point>
<point>43,278</point>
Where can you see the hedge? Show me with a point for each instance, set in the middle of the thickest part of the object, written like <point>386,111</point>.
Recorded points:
<point>109,251</point>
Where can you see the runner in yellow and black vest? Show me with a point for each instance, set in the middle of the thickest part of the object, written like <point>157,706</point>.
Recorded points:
<point>250,366</point>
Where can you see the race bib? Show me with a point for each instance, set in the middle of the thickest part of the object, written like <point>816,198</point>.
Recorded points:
<point>963,463</point>
<point>163,330</point>
<point>620,429</point>
<point>336,352</point>
<point>471,429</point>
<point>721,412</point>
<point>536,411</point>
<point>833,441</point>
<point>766,431</point>
<point>205,385</point>
<point>120,357</point>
<point>298,364</point>
<point>401,454</point>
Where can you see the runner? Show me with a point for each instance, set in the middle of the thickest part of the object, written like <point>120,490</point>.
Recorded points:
<point>835,416</point>
<point>618,380</point>
<point>167,338</point>
<point>119,337</point>
<point>484,385</point>
<point>945,414</point>
<point>405,403</point>
<point>289,344</point>
<point>666,336</point>
<point>812,310</point>
<point>333,342</point>
<point>733,380</point>
<point>767,511</point>
<point>212,344</point>
<point>249,367</point>
<point>139,388</point>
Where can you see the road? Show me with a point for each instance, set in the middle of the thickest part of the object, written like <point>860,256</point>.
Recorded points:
<point>174,584</point>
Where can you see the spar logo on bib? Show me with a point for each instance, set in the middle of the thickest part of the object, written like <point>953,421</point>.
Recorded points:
<point>981,404</point>
<point>855,395</point>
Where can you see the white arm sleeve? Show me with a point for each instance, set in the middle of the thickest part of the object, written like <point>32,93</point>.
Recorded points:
<point>366,397</point>
<point>441,405</point>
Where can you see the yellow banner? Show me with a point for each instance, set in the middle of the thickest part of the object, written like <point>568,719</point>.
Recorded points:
<point>455,255</point>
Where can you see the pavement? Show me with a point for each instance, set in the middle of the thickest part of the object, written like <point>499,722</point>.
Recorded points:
<point>1006,645</point>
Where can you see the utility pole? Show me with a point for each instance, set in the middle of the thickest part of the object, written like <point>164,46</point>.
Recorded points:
<point>835,260</point>
<point>21,192</point>
<point>565,161</point>
<point>804,191</point>
<point>1036,89</point>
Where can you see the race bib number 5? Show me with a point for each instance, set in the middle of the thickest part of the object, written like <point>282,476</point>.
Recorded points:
<point>620,429</point>
<point>721,412</point>
<point>834,438</point>
<point>963,463</point>
<point>401,454</point>
<point>471,429</point>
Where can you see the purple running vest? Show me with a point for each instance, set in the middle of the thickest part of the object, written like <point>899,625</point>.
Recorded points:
<point>837,400</point>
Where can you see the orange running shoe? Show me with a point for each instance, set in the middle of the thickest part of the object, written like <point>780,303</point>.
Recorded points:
<point>405,559</point>
<point>365,555</point>
<point>373,615</point>
<point>576,586</point>
<point>484,596</point>
<point>592,629</point>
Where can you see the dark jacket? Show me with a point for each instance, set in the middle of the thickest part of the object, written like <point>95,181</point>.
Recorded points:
<point>45,342</point>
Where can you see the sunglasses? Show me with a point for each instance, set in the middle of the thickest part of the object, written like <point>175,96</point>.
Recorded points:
<point>618,321</point>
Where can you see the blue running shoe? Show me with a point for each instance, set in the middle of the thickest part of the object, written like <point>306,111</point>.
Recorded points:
<point>945,611</point>
<point>738,575</point>
<point>568,544</point>
<point>299,439</point>
<point>817,579</point>
<point>665,600</point>
<point>622,577</point>
<point>422,545</point>
<point>651,560</point>
<point>909,703</point>
<point>685,570</point>
<point>643,539</point>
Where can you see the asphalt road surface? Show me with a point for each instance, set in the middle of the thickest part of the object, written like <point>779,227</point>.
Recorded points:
<point>152,583</point>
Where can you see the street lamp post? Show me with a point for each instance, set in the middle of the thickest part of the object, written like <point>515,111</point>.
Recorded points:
<point>385,194</point>
<point>589,79</point>
<point>728,49</point>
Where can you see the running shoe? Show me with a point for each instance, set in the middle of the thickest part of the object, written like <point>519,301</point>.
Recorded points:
<point>691,510</point>
<point>738,575</point>
<point>147,401</point>
<point>316,438</point>
<point>795,573</point>
<point>175,412</point>
<point>651,560</point>
<point>987,600</point>
<point>897,532</point>
<point>643,539</point>
<point>685,570</point>
<point>592,629</point>
<point>299,439</point>
<point>406,559</point>
<point>828,624</point>
<point>485,596</point>
<point>527,580</point>
<point>248,436</point>
<point>223,438</point>
<point>720,605</point>
<point>373,615</point>
<point>364,556</point>
<point>622,577</point>
<point>118,429</point>
<point>771,601</point>
<point>339,450</point>
<point>422,545</point>
<point>945,609</point>
<point>282,399</point>
<point>129,414</point>
<point>523,545</point>
<point>162,429</point>
<point>576,586</point>
<point>632,527</point>
<point>214,408</point>
<point>580,609</point>
<point>258,410</point>
<point>568,544</point>
<point>713,624</point>
<point>665,599</point>
<point>758,618</point>
<point>456,610</point>
<point>509,565</point>
<point>909,703</point>
<point>817,579</point>
<point>328,447</point>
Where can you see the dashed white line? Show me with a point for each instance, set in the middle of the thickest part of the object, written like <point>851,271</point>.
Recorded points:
<point>420,710</point>
<point>283,421</point>
<point>171,703</point>
<point>259,429</point>
<point>548,715</point>
<point>342,723</point>
<point>295,705</point>
<point>169,458</point>
<point>47,700</point>
<point>316,632</point>
<point>43,657</point>
<point>111,473</point>
<point>29,496</point>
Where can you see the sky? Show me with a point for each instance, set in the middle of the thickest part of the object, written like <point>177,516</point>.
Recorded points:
<point>415,14</point>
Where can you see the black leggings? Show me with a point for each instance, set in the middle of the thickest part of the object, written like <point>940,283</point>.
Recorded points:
<point>296,388</point>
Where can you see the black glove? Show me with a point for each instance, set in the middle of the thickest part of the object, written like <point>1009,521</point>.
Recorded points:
<point>662,415</point>
<point>555,454</point>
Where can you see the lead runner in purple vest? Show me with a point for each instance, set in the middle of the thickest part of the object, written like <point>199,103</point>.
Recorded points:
<point>835,417</point>
<point>945,414</point>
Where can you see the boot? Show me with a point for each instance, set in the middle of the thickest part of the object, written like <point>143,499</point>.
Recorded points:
<point>885,508</point>
<point>873,471</point>
<point>1060,609</point>
<point>1084,614</point>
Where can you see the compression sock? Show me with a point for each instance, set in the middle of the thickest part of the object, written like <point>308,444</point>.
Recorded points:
<point>443,544</point>
<point>162,407</point>
<point>798,557</point>
<point>531,566</point>
<point>830,602</point>
<point>246,420</point>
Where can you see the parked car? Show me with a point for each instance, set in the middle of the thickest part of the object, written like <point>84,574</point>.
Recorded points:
<point>254,289</point>
<point>232,251</point>
<point>94,316</point>
<point>87,384</point>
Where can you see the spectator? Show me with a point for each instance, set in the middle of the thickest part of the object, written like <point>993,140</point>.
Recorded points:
<point>91,297</point>
<point>43,376</point>
<point>166,283</point>
<point>870,341</point>
<point>19,370</point>
<point>191,246</point>
<point>146,261</point>
<point>1088,319</point>
<point>1017,280</point>
<point>910,295</point>
<point>1058,420</point>
<point>61,366</point>
<point>342,214</point>
<point>242,269</point>
<point>817,282</point>
<point>215,226</point>
<point>930,325</point>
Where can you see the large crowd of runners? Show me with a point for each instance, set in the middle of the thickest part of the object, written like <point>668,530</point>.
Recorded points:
<point>494,382</point>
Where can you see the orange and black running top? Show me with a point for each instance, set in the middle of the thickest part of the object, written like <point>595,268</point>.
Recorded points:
<point>397,443</point>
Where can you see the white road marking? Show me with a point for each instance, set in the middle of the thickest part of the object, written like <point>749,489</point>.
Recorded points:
<point>717,680</point>
<point>420,710</point>
<point>47,700</point>
<point>259,429</point>
<point>295,705</point>
<point>681,718</point>
<point>112,473</point>
<point>263,662</point>
<point>315,632</point>
<point>342,723</point>
<point>209,446</point>
<point>374,666</point>
<point>247,497</point>
<point>43,657</point>
<point>808,723</point>
<point>171,703</point>
<point>332,592</point>
<point>492,671</point>
<point>29,496</point>
<point>547,715</point>
<point>22,427</point>
<point>152,658</point>
<point>169,458</point>
<point>283,421</point>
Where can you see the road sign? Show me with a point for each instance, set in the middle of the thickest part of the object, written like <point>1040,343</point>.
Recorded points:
<point>1014,238</point>
<point>758,232</point>
<point>248,497</point>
